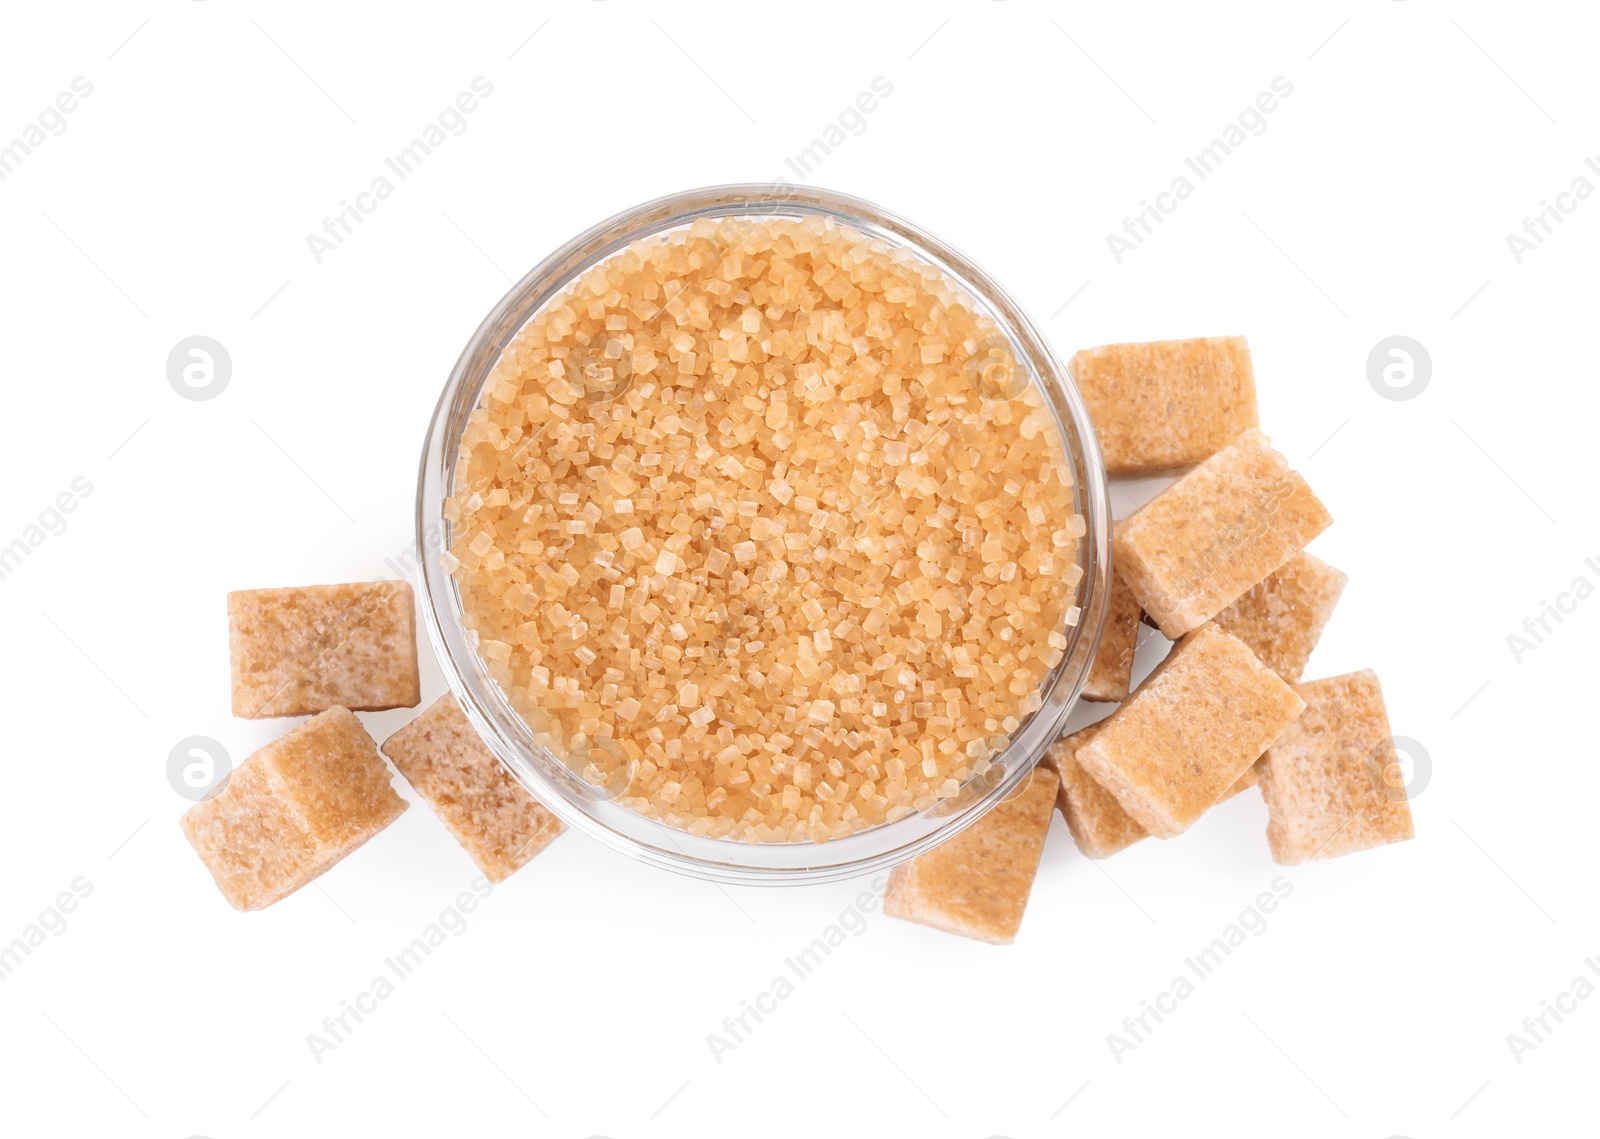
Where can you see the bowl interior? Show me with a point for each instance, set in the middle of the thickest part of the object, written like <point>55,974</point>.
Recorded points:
<point>588,808</point>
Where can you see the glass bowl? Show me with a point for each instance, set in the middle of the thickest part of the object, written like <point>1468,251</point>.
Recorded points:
<point>588,809</point>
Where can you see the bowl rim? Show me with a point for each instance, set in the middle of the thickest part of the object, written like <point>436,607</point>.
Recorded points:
<point>587,809</point>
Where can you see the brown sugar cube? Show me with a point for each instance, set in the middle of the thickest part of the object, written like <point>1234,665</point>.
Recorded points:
<point>302,650</point>
<point>1097,821</point>
<point>1189,731</point>
<point>1166,404</point>
<point>1282,618</point>
<point>1197,546</point>
<point>489,813</point>
<point>1329,779</point>
<point>977,883</point>
<point>293,809</point>
<point>1112,670</point>
<point>1250,778</point>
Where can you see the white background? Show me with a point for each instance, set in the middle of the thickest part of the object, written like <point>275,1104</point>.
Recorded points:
<point>579,999</point>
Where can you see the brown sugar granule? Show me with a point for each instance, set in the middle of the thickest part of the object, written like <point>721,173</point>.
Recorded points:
<point>1171,403</point>
<point>1189,732</point>
<point>293,809</point>
<point>1198,545</point>
<point>1331,780</point>
<point>977,883</point>
<point>306,649</point>
<point>490,814</point>
<point>758,527</point>
<point>1282,617</point>
<point>1112,671</point>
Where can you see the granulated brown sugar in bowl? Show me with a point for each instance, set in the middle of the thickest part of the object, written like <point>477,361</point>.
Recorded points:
<point>755,526</point>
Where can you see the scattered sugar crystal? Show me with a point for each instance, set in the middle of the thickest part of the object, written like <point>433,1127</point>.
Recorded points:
<point>292,810</point>
<point>306,649</point>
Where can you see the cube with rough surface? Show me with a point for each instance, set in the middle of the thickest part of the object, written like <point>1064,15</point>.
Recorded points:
<point>1282,617</point>
<point>977,883</point>
<point>1097,821</point>
<point>1200,544</point>
<point>1111,674</point>
<point>490,814</point>
<point>1189,732</point>
<point>1168,403</point>
<point>305,649</point>
<point>1331,780</point>
<point>293,809</point>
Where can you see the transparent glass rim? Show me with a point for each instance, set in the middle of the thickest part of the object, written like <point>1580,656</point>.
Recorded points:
<point>587,809</point>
